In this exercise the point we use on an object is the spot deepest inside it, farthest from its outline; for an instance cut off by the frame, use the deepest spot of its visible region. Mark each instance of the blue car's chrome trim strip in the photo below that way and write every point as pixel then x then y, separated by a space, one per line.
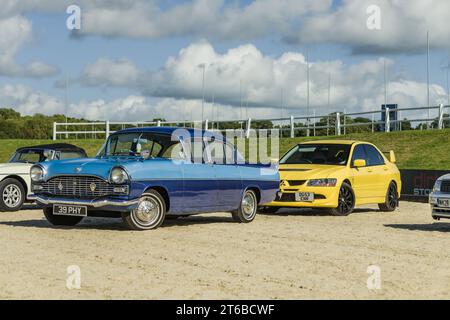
pixel 90 203
pixel 204 179
pixel 73 175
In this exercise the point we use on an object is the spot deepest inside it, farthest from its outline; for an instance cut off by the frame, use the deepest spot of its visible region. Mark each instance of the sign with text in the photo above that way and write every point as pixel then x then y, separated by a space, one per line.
pixel 419 183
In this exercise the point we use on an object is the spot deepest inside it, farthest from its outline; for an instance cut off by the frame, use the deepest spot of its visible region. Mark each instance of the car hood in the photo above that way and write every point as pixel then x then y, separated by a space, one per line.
pixel 307 172
pixel 15 168
pixel 100 167
pixel 445 177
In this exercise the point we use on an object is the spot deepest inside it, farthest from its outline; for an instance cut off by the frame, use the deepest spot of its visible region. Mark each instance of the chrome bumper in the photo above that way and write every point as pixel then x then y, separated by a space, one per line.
pixel 90 203
pixel 439 212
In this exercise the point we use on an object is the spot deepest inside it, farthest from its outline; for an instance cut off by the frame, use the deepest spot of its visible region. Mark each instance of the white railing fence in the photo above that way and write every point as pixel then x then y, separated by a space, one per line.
pixel 336 124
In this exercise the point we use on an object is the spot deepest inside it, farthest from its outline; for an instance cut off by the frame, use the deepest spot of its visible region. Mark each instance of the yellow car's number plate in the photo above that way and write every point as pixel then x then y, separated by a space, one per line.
pixel 304 196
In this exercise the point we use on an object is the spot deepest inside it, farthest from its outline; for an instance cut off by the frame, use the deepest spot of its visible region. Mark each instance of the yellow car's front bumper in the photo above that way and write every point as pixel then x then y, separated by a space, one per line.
pixel 324 197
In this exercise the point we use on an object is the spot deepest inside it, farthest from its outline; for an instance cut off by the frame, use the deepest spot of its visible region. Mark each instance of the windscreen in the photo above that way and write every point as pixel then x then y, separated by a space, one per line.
pixel 324 154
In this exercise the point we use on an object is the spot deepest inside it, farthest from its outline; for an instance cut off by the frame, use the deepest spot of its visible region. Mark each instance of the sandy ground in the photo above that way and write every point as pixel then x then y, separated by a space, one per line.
pixel 293 255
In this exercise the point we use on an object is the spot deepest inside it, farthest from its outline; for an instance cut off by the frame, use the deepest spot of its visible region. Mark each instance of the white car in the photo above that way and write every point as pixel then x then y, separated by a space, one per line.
pixel 15 182
pixel 440 198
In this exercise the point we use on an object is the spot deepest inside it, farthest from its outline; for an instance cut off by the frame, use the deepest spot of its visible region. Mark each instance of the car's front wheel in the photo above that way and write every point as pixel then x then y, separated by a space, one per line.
pixel 346 201
pixel 247 210
pixel 61 220
pixel 391 202
pixel 12 195
pixel 149 214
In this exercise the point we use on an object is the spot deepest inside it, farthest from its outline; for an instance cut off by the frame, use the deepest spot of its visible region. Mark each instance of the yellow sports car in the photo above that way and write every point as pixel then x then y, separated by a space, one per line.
pixel 337 175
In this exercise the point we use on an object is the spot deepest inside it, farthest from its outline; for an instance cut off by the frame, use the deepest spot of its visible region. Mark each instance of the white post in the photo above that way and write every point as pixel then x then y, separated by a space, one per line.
pixel 345 122
pixel 388 121
pixel 338 124
pixel 441 117
pixel 373 124
pixel 292 127
pixel 158 123
pixel 328 125
pixel 249 124
pixel 107 129
pixel 206 124
pixel 314 124
pixel 54 131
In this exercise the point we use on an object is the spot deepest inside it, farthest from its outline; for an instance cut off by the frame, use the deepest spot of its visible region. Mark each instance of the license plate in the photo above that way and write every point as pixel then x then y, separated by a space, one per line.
pixel 444 203
pixel 74 211
pixel 304 196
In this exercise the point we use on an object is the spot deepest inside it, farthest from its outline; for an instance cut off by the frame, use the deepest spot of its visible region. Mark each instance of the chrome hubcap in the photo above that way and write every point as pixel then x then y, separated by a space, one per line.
pixel 148 211
pixel 249 204
pixel 12 196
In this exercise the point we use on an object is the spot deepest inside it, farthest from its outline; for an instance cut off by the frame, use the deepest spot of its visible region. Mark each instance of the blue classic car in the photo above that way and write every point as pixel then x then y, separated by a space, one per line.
pixel 146 175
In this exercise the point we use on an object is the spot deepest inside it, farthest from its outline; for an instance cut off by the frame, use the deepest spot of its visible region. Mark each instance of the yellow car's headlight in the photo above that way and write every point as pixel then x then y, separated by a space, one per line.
pixel 322 183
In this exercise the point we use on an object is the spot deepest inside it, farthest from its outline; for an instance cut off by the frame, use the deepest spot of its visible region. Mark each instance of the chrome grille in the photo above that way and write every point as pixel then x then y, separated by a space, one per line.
pixel 78 186
pixel 445 186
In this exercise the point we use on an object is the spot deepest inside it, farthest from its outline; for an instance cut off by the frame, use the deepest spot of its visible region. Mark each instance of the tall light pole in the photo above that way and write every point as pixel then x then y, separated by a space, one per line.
pixel 213 116
pixel 428 73
pixel 329 91
pixel 66 102
pixel 448 85
pixel 307 91
pixel 240 98
pixel 385 85
pixel 203 92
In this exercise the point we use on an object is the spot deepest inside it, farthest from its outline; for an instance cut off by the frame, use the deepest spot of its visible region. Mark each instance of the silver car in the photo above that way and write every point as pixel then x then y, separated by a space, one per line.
pixel 440 198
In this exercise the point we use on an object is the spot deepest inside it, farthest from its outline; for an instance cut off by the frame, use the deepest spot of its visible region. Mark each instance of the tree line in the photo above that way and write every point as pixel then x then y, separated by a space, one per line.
pixel 13 125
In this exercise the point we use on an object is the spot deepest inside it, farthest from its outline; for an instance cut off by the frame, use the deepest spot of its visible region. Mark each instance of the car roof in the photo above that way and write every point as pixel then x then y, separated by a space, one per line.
pixel 54 146
pixel 171 130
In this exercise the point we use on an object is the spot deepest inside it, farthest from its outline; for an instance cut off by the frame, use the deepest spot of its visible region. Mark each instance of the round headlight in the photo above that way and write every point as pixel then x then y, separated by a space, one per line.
pixel 119 176
pixel 37 173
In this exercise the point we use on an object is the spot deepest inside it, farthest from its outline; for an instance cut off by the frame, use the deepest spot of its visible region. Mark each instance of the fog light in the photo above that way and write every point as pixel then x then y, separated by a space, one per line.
pixel 37 187
pixel 121 189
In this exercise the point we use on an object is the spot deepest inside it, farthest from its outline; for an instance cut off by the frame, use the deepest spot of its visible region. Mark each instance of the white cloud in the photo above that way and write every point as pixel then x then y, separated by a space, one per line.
pixel 27 101
pixel 263 78
pixel 404 24
pixel 15 32
pixel 131 108
pixel 200 18
pixel 121 72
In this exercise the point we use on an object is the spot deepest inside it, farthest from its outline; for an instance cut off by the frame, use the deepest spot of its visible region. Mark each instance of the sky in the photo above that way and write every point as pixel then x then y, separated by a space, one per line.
pixel 135 60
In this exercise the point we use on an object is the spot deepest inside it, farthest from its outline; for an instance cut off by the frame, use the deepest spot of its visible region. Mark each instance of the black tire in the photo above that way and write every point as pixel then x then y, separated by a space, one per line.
pixel 248 208
pixel 172 217
pixel 150 213
pixel 268 210
pixel 391 202
pixel 12 195
pixel 346 201
pixel 60 220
